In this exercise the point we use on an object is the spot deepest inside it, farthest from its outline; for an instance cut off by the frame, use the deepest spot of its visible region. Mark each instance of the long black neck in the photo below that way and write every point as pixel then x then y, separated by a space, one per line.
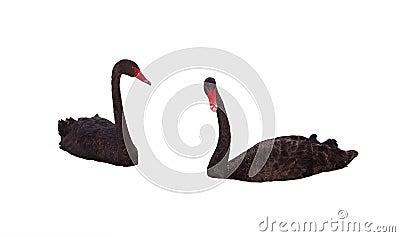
pixel 218 164
pixel 118 110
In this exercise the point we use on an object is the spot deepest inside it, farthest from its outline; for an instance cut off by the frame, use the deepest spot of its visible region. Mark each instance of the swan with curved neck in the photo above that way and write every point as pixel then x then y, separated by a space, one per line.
pixel 97 138
pixel 286 158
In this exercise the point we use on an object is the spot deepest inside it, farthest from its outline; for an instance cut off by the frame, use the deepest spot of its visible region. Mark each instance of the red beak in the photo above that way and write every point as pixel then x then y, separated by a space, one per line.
pixel 212 98
pixel 141 77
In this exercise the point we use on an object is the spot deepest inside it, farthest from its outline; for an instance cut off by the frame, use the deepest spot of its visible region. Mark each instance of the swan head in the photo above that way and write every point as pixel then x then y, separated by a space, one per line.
pixel 210 88
pixel 130 68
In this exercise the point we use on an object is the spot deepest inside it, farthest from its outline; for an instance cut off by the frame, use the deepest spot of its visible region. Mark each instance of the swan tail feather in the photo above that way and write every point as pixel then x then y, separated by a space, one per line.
pixel 65 126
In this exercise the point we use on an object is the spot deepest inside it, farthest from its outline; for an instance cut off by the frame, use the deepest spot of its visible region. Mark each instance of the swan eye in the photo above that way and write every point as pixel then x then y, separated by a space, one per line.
pixel 135 71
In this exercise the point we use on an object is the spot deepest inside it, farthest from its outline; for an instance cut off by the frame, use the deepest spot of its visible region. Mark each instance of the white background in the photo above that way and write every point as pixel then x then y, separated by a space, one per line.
pixel 331 67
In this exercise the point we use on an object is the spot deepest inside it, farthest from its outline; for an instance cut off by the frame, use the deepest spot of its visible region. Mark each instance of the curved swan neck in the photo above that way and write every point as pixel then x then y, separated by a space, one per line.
pixel 118 109
pixel 218 164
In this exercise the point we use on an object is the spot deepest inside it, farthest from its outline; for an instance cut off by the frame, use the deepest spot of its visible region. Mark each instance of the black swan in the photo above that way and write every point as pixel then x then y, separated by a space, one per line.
pixel 97 138
pixel 290 157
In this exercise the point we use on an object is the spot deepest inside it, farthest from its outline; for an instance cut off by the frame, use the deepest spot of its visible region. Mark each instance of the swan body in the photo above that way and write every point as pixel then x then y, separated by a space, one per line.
pixel 93 139
pixel 291 157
